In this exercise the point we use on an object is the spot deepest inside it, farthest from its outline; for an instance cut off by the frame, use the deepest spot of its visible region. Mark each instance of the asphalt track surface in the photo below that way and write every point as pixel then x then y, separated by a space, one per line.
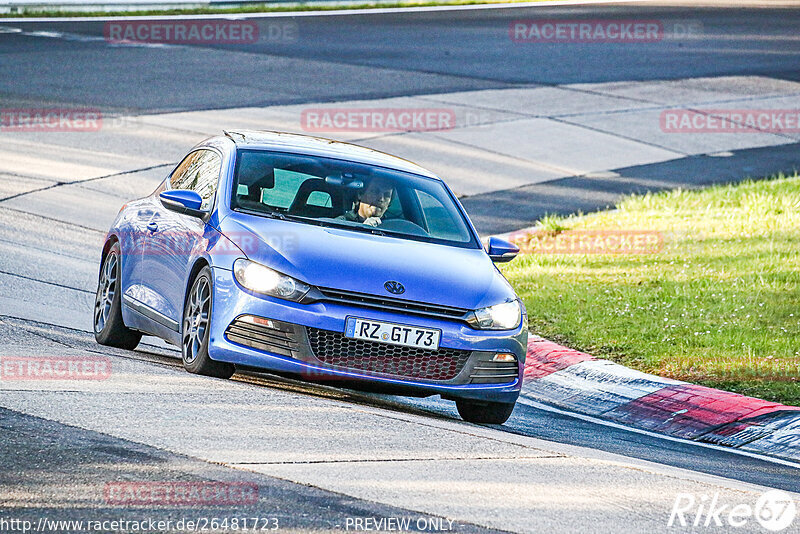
pixel 338 58
pixel 332 58
pixel 373 56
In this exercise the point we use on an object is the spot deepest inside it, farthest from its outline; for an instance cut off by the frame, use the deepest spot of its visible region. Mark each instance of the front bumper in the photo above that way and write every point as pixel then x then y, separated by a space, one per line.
pixel 295 347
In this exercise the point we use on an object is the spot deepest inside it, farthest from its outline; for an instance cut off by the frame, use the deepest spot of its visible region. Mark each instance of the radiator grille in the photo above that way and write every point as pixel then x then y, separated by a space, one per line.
pixel 399 305
pixel 333 348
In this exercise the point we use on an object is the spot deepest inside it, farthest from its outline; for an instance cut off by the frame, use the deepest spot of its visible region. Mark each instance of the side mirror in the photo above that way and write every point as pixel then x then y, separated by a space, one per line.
pixel 183 201
pixel 501 251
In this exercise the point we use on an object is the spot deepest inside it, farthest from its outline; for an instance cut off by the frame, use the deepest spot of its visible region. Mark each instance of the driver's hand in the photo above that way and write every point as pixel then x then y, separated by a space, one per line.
pixel 372 221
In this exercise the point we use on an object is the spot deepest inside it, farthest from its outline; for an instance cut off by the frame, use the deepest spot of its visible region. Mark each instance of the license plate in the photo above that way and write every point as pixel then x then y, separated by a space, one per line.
pixel 392 333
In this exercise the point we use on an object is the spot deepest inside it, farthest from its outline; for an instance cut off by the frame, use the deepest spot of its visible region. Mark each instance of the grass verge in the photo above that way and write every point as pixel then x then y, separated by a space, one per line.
pixel 718 305
pixel 250 9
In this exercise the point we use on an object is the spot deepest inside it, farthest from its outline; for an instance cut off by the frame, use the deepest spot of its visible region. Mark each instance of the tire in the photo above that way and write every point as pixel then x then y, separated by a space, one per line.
pixel 196 329
pixel 109 328
pixel 485 413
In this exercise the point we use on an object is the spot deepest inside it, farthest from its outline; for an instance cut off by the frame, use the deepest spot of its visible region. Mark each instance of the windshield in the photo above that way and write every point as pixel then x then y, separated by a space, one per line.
pixel 349 195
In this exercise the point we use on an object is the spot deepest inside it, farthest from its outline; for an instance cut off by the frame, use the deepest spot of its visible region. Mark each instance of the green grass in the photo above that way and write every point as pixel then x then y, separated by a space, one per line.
pixel 719 305
pixel 249 9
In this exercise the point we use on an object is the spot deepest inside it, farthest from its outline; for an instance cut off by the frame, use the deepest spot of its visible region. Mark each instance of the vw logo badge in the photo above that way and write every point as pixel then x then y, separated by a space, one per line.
pixel 394 287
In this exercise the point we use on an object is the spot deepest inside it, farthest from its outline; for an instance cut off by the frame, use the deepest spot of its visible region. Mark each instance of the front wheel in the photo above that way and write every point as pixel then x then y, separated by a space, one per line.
pixel 109 328
pixel 486 413
pixel 197 330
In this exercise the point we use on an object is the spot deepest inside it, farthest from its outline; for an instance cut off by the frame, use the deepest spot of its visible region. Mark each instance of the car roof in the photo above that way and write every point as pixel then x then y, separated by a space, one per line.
pixel 319 146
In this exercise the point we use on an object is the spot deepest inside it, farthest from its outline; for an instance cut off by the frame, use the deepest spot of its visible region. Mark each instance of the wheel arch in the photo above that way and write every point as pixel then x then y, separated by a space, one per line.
pixel 198 266
pixel 111 239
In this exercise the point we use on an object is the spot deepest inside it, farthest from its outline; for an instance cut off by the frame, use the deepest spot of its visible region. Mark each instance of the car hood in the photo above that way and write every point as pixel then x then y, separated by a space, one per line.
pixel 362 262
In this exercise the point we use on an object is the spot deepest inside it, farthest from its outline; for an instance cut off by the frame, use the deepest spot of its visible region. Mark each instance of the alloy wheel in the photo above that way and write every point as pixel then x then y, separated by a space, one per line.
pixel 195 321
pixel 106 291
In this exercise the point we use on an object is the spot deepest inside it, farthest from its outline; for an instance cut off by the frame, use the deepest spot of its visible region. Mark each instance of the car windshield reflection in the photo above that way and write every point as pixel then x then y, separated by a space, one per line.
pixel 347 195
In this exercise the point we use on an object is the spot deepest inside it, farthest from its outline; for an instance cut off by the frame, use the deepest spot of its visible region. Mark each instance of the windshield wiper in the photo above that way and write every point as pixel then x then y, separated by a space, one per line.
pixel 275 214
pixel 358 228
pixel 271 214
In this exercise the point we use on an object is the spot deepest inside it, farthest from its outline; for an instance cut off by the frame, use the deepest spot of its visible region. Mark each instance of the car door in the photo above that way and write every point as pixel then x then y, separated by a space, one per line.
pixel 172 239
pixel 131 231
pixel 133 244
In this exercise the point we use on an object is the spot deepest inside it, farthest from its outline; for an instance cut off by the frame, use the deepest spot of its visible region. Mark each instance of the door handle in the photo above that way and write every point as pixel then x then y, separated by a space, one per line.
pixel 153 227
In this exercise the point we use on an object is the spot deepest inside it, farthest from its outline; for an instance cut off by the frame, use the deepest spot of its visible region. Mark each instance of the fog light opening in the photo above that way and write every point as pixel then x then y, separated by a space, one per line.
pixel 504 357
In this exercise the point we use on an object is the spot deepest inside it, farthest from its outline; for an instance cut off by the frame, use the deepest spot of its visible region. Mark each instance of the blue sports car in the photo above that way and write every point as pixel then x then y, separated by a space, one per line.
pixel 321 260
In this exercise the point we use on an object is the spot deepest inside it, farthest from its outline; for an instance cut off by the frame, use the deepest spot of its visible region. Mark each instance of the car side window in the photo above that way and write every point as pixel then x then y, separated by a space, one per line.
pixel 395 209
pixel 284 191
pixel 320 199
pixel 199 172
pixel 440 220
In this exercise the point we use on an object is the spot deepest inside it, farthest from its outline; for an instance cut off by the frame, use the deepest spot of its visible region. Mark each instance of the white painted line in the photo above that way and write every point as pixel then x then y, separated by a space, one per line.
pixel 591 419
pixel 335 12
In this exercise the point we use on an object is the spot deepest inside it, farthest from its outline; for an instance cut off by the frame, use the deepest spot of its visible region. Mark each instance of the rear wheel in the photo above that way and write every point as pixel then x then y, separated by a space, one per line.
pixel 109 329
pixel 487 413
pixel 197 330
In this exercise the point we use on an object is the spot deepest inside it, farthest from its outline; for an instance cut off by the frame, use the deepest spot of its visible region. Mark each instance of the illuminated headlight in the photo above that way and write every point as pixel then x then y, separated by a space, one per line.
pixel 262 279
pixel 503 316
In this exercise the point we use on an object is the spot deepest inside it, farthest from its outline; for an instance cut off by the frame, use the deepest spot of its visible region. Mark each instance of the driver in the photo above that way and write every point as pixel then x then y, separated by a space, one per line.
pixel 373 203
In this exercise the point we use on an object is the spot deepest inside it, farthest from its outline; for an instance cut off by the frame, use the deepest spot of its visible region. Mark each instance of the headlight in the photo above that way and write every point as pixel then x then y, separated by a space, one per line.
pixel 262 279
pixel 503 316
